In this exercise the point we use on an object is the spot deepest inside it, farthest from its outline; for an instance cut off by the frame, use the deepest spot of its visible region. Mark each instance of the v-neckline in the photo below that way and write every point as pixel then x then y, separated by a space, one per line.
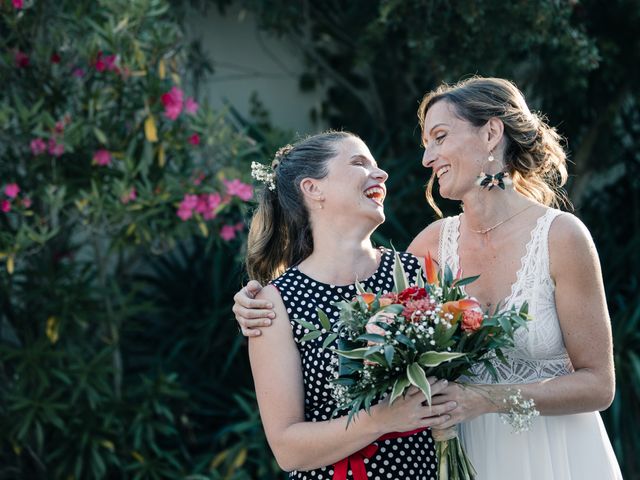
pixel 523 260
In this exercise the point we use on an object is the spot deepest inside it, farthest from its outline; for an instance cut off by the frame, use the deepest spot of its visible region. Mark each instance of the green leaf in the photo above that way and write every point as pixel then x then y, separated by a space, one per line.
pixel 309 326
pixel 399 387
pixel 418 378
pixel 389 353
pixel 329 340
pixel 433 359
pixel 359 288
pixel 399 275
pixel 371 337
pixel 324 320
pixel 419 281
pixel 100 135
pixel 357 353
pixel 311 336
pixel 466 281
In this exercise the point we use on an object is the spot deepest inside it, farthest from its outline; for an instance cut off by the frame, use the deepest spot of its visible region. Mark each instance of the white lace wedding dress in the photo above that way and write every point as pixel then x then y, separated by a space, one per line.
pixel 565 447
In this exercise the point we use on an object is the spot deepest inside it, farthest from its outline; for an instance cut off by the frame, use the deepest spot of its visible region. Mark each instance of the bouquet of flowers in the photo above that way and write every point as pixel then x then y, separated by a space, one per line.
pixel 389 342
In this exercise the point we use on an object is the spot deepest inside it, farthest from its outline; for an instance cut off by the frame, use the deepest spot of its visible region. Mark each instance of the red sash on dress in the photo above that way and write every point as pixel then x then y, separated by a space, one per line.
pixel 356 460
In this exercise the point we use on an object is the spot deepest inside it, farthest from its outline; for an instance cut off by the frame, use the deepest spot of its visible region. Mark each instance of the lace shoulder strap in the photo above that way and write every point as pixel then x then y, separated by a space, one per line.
pixel 448 244
pixel 537 259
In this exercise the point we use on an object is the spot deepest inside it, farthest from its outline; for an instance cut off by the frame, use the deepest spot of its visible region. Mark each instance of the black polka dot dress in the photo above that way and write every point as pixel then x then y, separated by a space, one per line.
pixel 410 457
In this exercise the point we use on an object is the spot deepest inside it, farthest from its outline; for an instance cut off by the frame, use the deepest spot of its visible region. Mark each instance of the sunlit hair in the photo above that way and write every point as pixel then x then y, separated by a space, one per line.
pixel 280 232
pixel 533 154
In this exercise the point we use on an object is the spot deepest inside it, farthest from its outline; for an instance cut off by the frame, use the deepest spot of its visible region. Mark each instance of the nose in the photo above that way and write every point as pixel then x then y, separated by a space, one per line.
pixel 428 158
pixel 380 175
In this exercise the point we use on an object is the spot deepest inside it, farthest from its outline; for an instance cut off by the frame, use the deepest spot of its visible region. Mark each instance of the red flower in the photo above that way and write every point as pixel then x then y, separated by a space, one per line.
pixel 471 320
pixel 414 310
pixel 21 59
pixel 194 139
pixel 5 206
pixel 99 63
pixel 17 4
pixel 412 293
pixel 55 57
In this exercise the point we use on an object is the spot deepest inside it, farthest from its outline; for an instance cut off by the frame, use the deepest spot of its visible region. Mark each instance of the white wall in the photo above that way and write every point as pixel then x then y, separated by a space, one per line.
pixel 247 60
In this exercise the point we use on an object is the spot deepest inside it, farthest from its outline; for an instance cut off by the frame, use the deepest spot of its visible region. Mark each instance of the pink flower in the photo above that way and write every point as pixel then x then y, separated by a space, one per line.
pixel 241 190
pixel 78 73
pixel 194 139
pixel 56 149
pixel 191 106
pixel 172 101
pixel 208 204
pixel 12 190
pixel 17 4
pixel 38 146
pixel 59 128
pixel 185 214
pixel 198 180
pixel 227 232
pixel 129 196
pixel 26 202
pixel 55 57
pixel 239 226
pixel 102 157
pixel 110 63
pixel 21 59
pixel 100 65
pixel 5 206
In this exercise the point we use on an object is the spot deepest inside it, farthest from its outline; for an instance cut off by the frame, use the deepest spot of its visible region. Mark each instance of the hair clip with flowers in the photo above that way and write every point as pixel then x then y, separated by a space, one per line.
pixel 264 174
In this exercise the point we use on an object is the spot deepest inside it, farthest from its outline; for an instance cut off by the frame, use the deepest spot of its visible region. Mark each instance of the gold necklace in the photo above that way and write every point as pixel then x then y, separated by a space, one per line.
pixel 487 230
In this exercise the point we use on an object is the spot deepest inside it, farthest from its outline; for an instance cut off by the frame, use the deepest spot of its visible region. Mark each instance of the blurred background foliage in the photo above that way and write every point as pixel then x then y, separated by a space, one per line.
pixel 122 247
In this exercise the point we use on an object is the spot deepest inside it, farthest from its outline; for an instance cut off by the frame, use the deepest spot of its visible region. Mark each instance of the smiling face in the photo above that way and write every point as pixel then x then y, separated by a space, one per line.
pixel 454 148
pixel 355 186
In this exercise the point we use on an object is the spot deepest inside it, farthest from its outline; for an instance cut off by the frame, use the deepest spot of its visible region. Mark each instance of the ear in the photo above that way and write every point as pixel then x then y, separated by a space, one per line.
pixel 494 132
pixel 310 188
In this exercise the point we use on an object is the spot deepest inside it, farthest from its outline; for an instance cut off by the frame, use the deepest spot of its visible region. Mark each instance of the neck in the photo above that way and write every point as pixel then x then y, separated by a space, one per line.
pixel 483 208
pixel 340 255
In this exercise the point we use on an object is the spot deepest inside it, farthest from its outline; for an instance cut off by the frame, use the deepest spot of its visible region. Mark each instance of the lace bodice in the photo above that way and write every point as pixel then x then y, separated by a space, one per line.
pixel 539 351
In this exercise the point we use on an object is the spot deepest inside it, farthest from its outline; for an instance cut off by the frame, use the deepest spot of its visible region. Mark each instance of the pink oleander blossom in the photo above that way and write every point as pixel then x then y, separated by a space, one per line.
pixel 129 196
pixel 102 157
pixel 172 102
pixel 18 4
pixel 184 214
pixel 38 146
pixel 26 202
pixel 78 72
pixel 191 106
pixel 228 232
pixel 208 204
pixel 5 206
pixel 194 139
pixel 241 190
pixel 12 190
pixel 56 149
pixel 21 59
pixel 199 178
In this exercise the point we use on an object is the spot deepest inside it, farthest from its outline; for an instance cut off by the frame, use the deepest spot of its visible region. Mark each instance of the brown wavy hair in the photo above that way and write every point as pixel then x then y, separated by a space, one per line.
pixel 534 154
pixel 280 232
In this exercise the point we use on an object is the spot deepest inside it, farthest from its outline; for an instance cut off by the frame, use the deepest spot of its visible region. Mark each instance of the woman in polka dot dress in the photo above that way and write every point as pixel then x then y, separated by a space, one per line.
pixel 326 199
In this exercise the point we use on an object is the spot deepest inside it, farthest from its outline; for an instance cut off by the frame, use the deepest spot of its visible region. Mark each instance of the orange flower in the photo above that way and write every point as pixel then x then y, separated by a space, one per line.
pixel 457 307
pixel 430 270
pixel 368 298
pixel 471 320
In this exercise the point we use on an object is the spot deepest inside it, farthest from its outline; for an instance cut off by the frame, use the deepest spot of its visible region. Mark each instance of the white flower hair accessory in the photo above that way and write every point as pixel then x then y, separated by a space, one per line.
pixel 264 174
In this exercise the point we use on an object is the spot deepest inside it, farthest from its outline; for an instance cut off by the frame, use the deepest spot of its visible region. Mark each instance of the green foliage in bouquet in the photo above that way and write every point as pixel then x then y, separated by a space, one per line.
pixel 391 341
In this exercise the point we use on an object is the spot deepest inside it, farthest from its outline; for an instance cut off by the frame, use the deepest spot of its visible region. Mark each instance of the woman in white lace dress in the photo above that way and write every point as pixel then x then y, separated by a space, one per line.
pixel 486 149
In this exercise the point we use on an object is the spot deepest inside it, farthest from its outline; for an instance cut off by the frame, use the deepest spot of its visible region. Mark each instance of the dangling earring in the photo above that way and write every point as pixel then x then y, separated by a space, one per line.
pixel 488 181
pixel 491 158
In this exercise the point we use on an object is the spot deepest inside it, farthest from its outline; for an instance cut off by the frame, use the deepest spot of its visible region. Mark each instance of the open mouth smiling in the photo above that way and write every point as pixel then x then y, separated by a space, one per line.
pixel 376 193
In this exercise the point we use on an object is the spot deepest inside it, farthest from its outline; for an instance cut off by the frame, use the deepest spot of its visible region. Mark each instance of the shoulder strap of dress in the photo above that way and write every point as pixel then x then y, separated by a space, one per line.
pixel 539 255
pixel 448 243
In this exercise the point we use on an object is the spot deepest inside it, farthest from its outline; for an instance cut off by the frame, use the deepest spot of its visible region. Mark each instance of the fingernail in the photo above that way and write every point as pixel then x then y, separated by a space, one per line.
pixel 267 323
pixel 271 315
pixel 453 404
pixel 447 417
pixel 269 305
pixel 444 382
